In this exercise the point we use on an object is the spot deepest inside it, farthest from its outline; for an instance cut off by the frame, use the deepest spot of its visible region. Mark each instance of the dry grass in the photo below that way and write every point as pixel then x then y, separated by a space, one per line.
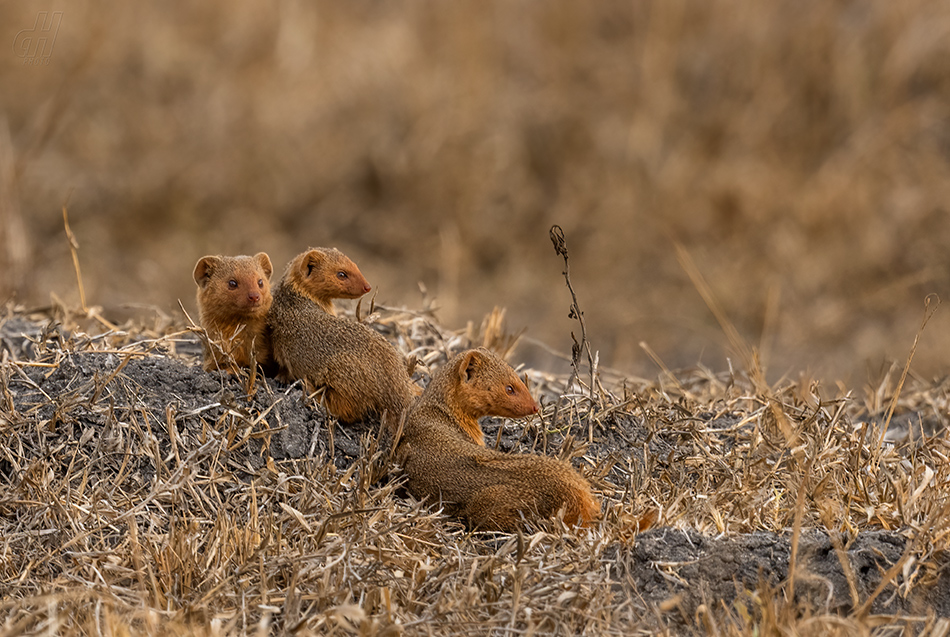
pixel 130 506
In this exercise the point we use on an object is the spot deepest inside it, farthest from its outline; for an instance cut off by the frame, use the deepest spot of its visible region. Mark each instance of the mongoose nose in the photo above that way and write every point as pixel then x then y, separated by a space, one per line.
pixel 253 297
pixel 367 287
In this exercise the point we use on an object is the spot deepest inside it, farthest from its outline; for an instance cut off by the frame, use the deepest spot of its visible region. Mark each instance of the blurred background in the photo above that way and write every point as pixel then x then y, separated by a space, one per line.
pixel 798 150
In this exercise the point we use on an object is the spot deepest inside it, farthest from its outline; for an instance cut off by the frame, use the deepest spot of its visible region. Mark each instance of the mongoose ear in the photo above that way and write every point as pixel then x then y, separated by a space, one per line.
pixel 264 261
pixel 310 260
pixel 471 363
pixel 204 269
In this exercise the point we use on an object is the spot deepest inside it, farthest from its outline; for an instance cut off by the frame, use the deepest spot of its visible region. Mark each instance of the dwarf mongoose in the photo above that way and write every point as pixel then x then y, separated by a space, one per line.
pixel 233 300
pixel 324 274
pixel 445 460
pixel 360 372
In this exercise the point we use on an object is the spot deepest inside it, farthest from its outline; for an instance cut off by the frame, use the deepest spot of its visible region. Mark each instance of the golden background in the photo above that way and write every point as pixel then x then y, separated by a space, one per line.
pixel 798 150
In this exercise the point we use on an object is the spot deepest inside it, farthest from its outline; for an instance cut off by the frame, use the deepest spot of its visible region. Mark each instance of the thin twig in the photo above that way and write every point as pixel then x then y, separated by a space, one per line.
pixel 928 313
pixel 560 247
pixel 74 249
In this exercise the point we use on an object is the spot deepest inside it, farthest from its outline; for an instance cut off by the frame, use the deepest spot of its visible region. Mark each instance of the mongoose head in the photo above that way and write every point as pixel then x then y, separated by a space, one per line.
pixel 326 273
pixel 234 286
pixel 490 387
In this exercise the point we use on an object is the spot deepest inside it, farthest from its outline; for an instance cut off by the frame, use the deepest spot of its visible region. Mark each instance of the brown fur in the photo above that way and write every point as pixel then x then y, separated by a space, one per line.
pixel 477 386
pixel 361 373
pixel 233 300
pixel 324 274
pixel 446 463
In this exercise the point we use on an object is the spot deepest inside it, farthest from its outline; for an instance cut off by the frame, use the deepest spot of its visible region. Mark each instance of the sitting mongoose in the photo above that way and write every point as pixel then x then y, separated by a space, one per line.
pixel 234 298
pixel 360 372
pixel 324 274
pixel 446 461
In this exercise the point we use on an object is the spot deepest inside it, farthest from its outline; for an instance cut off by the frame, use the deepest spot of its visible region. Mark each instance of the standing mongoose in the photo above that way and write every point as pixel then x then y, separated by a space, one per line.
pixel 233 300
pixel 361 373
pixel 445 461
pixel 324 274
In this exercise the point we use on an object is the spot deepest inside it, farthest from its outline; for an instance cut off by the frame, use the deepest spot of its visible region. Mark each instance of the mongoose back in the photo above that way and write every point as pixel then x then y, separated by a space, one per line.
pixel 324 274
pixel 234 298
pixel 491 490
pixel 361 373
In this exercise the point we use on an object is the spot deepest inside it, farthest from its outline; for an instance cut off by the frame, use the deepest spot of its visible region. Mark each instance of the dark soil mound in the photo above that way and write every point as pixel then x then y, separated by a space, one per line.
pixel 130 476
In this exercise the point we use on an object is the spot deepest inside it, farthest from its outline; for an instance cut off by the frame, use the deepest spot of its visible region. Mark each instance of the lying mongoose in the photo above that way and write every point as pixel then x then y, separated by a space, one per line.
pixel 472 392
pixel 324 274
pixel 445 460
pixel 233 300
pixel 360 372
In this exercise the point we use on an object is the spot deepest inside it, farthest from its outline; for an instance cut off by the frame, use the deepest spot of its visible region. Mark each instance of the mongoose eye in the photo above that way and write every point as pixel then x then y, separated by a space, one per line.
pixel 341 275
pixel 232 284
pixel 510 390
pixel 260 283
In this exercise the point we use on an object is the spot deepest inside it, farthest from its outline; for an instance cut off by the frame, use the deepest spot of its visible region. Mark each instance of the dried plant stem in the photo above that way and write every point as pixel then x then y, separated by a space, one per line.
pixel 560 247
pixel 74 250
pixel 748 354
pixel 928 313
pixel 728 327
